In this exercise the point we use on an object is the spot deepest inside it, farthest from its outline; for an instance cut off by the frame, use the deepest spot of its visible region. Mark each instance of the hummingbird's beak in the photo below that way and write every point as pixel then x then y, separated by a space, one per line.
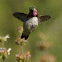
pixel 35 12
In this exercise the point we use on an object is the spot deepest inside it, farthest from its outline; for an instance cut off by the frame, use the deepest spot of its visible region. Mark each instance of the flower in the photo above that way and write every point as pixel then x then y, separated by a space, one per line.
pixel 47 58
pixel 4 52
pixel 20 41
pixel 23 56
pixel 8 51
pixel 27 55
pixel 4 38
pixel 7 36
pixel 20 29
pixel 20 57
pixel 44 45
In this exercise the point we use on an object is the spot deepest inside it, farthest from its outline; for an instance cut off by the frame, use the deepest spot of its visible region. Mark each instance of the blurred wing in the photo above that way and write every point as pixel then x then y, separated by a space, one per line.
pixel 20 16
pixel 43 18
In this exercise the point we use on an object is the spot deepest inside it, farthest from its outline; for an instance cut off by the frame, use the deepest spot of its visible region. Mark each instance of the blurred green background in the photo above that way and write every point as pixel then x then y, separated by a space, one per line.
pixel 51 28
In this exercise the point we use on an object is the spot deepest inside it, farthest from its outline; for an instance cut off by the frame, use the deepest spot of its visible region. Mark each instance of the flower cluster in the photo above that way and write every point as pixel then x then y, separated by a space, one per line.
pixel 48 58
pixel 23 56
pixel 20 41
pixel 20 29
pixel 27 55
pixel 20 57
pixel 4 38
pixel 4 52
pixel 44 45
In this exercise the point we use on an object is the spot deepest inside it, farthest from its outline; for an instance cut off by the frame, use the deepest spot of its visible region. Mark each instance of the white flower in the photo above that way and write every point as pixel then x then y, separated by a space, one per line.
pixel 4 38
pixel 7 36
pixel 9 51
pixel 27 55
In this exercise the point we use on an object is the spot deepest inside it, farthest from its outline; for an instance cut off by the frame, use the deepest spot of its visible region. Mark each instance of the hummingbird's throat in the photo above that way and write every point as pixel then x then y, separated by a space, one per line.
pixel 35 13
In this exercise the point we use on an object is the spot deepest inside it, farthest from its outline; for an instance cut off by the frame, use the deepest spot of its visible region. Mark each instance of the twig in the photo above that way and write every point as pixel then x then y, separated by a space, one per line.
pixel 3 59
pixel 3 44
pixel 23 60
pixel 22 51
pixel 26 60
pixel 21 48
pixel 18 60
pixel 2 47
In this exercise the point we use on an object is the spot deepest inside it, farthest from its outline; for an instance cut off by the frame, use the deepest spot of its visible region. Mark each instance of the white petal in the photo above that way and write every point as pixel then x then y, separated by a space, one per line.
pixel 9 50
pixel 8 53
pixel 29 55
pixel 7 36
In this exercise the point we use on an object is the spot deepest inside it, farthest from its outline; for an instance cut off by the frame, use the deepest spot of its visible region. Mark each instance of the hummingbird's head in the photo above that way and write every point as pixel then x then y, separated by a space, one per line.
pixel 33 11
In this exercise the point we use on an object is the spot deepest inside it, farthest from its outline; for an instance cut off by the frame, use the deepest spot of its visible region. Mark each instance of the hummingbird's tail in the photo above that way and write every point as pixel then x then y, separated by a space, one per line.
pixel 24 36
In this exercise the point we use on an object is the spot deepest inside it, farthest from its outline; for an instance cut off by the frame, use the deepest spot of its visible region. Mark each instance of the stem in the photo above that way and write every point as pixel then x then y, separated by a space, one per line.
pixel 22 60
pixel 3 59
pixel 3 44
pixel 18 60
pixel 22 49
pixel 26 60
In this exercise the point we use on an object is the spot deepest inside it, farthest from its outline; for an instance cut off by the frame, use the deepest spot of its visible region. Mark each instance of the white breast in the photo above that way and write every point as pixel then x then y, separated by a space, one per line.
pixel 31 24
pixel 33 21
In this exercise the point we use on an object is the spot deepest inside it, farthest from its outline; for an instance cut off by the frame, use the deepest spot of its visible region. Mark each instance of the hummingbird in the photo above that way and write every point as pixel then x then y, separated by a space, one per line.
pixel 30 21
